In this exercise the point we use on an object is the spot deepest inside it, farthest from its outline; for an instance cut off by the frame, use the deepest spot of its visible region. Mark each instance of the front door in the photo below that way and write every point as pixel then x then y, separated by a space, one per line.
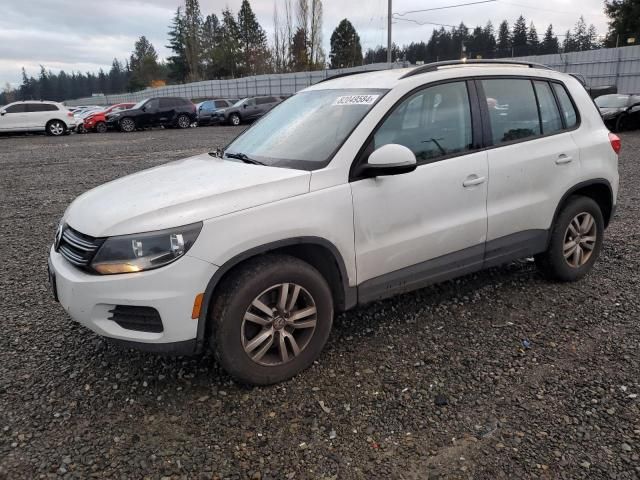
pixel 15 117
pixel 429 224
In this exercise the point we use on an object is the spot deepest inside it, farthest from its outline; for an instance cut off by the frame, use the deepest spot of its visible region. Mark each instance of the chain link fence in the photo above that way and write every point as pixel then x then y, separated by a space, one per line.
pixel 612 66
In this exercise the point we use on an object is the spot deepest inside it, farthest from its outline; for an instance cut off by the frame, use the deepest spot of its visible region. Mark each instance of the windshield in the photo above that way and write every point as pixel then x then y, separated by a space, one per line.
pixel 304 131
pixel 612 101
pixel 240 102
pixel 139 104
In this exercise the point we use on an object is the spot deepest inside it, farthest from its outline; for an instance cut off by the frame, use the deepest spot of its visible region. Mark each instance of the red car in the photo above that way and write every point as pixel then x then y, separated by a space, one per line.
pixel 96 122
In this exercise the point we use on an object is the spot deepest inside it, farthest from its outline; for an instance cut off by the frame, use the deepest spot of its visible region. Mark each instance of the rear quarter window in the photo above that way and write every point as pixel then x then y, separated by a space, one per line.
pixel 566 106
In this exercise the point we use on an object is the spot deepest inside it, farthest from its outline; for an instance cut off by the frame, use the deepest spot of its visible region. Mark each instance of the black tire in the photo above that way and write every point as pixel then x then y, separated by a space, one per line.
pixel 127 125
pixel 183 121
pixel 56 128
pixel 621 123
pixel 101 127
pixel 553 263
pixel 236 294
pixel 234 119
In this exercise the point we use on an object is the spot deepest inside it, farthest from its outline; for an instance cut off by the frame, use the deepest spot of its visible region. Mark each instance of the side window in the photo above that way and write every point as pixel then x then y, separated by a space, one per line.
pixel 571 119
pixel 513 112
pixel 549 114
pixel 262 100
pixel 41 107
pixel 17 108
pixel 152 104
pixel 166 102
pixel 432 123
pixel 220 104
pixel 251 102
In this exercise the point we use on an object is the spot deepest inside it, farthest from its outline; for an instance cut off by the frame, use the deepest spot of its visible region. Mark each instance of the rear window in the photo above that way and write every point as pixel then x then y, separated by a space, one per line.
pixel 167 102
pixel 549 114
pixel 566 105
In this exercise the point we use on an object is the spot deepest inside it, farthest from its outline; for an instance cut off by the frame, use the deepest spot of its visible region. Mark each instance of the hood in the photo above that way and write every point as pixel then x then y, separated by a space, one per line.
pixel 179 193
pixel 610 111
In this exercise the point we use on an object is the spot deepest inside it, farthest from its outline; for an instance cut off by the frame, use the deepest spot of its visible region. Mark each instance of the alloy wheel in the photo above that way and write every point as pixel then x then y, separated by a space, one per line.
pixel 183 121
pixel 127 125
pixel 580 240
pixel 278 324
pixel 235 120
pixel 56 128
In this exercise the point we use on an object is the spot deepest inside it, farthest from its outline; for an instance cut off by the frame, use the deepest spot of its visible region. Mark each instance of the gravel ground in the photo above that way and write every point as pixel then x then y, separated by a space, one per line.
pixel 496 375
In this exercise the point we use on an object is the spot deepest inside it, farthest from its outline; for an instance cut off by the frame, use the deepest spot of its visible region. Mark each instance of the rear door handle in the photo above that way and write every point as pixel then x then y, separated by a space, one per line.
pixel 473 180
pixel 562 159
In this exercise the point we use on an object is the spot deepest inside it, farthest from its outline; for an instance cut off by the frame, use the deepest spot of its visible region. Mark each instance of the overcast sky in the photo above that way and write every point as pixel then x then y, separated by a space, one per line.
pixel 84 35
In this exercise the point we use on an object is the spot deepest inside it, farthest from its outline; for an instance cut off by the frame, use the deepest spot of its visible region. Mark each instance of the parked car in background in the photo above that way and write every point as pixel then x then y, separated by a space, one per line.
pixel 37 116
pixel 246 110
pixel 353 190
pixel 619 112
pixel 155 112
pixel 82 114
pixel 208 108
pixel 97 121
pixel 595 90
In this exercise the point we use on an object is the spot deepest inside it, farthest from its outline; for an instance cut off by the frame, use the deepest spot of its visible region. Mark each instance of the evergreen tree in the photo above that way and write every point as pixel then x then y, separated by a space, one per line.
pixel 624 21
pixel 229 47
pixel 253 41
pixel 569 44
pixel 299 52
pixel 178 63
pixel 144 65
pixel 211 40
pixel 192 23
pixel 550 42
pixel 346 50
pixel 519 37
pixel 533 43
pixel 504 40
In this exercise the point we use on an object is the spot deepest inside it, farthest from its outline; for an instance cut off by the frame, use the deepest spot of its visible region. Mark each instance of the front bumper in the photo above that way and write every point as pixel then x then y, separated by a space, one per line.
pixel 171 290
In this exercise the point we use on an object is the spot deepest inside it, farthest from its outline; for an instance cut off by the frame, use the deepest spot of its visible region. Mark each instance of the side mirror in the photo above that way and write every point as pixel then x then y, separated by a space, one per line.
pixel 390 159
pixel 3 113
pixel 245 105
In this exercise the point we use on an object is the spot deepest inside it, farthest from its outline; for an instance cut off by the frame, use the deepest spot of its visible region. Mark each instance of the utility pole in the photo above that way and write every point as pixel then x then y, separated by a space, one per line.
pixel 389 15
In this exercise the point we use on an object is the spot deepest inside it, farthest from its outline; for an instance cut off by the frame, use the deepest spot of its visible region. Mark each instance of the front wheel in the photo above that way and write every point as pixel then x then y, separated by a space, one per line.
pixel 184 121
pixel 576 240
pixel 101 127
pixel 56 128
pixel 621 123
pixel 127 125
pixel 271 319
pixel 234 119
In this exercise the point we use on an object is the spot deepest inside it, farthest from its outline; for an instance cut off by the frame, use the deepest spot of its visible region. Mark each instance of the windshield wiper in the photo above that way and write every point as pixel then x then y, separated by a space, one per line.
pixel 243 157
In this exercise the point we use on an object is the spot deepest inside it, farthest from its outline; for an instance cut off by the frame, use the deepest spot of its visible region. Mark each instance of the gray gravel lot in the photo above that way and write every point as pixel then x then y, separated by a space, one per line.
pixel 432 384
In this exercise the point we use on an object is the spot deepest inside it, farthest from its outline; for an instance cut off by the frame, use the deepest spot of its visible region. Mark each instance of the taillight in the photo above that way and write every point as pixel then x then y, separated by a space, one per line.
pixel 616 144
pixel 69 114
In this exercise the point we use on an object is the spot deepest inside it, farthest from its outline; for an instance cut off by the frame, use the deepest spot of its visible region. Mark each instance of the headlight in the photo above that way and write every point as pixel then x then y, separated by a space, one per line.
pixel 144 251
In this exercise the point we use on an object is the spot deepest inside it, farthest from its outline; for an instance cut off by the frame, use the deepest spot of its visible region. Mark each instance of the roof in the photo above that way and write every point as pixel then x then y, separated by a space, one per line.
pixel 388 79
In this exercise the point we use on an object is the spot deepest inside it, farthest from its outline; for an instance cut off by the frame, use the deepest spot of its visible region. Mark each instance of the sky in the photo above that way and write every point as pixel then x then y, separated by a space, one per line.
pixel 85 35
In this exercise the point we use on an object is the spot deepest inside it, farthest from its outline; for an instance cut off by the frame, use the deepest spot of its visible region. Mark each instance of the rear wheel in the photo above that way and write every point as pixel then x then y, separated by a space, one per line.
pixel 271 319
pixel 576 240
pixel 184 121
pixel 56 128
pixel 101 127
pixel 621 123
pixel 234 119
pixel 127 125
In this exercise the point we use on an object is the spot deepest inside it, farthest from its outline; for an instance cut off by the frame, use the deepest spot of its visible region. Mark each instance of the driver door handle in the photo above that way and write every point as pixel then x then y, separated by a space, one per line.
pixel 473 180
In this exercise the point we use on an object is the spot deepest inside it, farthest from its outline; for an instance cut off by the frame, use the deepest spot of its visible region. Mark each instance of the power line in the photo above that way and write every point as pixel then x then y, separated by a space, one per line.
pixel 424 23
pixel 443 7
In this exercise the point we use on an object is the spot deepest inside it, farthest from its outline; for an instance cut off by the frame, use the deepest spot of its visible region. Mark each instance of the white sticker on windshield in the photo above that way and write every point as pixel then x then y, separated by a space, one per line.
pixel 356 100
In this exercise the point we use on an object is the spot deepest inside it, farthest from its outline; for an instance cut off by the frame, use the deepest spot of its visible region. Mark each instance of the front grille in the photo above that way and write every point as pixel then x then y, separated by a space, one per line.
pixel 140 319
pixel 78 248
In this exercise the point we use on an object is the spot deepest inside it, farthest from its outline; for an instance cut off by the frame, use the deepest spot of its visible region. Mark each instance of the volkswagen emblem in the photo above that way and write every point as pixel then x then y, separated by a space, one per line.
pixel 58 238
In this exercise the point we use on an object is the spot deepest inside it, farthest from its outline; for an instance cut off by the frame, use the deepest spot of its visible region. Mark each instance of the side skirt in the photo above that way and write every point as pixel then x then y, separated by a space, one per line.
pixel 452 265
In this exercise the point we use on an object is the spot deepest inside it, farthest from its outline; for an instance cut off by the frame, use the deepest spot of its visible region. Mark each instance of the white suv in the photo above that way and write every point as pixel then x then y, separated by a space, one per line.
pixel 353 190
pixel 37 116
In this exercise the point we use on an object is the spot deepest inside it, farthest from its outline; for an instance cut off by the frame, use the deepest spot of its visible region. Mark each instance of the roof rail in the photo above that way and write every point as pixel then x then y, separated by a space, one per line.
pixel 347 74
pixel 432 67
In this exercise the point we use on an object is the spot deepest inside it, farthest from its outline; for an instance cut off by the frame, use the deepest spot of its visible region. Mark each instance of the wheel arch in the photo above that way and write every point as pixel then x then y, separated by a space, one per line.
pixel 598 189
pixel 318 252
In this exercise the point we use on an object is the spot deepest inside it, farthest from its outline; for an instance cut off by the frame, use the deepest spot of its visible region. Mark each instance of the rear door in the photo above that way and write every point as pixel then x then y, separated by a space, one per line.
pixel 533 160
pixel 15 117
pixel 251 109
pixel 167 111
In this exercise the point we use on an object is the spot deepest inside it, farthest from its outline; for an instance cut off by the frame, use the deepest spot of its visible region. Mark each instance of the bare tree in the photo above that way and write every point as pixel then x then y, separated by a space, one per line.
pixel 316 53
